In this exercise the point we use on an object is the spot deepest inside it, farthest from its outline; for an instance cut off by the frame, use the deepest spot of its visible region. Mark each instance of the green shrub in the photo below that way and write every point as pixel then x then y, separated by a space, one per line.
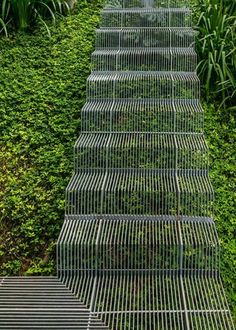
pixel 42 89
pixel 221 137
pixel 216 46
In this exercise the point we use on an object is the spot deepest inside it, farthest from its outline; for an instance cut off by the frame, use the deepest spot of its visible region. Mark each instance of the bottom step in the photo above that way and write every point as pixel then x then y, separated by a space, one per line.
pixel 118 301
pixel 134 300
pixel 42 303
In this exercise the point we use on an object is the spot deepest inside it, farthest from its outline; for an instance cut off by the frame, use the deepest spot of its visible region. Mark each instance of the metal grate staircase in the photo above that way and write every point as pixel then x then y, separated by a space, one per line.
pixel 138 248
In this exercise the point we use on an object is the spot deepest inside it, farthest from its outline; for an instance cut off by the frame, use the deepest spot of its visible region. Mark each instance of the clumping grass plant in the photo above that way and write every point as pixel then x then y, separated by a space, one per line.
pixel 216 45
pixel 23 14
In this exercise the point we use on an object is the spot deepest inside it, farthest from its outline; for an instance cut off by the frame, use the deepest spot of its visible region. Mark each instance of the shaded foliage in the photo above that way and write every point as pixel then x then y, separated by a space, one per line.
pixel 23 14
pixel 216 46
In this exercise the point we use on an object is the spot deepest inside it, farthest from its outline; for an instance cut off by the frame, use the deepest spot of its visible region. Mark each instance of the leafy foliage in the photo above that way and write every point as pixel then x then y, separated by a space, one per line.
pixel 23 14
pixel 221 137
pixel 216 45
pixel 42 88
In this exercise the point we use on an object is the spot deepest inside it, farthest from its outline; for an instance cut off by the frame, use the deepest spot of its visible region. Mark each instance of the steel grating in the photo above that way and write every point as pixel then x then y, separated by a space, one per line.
pixel 129 38
pixel 163 245
pixel 158 302
pixel 143 85
pixel 153 192
pixel 42 303
pixel 136 150
pixel 138 249
pixel 182 116
pixel 162 59
pixel 145 272
pixel 118 4
pixel 146 17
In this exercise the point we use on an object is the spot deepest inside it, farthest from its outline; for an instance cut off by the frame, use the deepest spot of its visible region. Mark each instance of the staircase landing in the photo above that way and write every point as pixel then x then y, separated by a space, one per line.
pixel 42 303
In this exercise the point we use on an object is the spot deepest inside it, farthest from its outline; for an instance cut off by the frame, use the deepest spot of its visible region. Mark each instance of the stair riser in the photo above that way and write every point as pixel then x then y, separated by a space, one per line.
pixel 144 38
pixel 145 19
pixel 139 193
pixel 145 3
pixel 140 151
pixel 141 117
pixel 144 61
pixel 144 86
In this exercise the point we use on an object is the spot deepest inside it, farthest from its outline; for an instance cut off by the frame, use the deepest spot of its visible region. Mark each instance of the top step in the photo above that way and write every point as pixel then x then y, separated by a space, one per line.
pixel 145 4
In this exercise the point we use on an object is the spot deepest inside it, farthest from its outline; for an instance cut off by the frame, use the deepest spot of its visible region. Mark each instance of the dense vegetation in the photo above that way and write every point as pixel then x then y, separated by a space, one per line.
pixel 23 15
pixel 42 89
pixel 221 137
pixel 216 45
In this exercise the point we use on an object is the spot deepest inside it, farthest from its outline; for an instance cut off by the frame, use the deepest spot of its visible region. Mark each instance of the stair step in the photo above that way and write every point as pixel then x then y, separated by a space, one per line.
pixel 140 150
pixel 159 10
pixel 22 306
pixel 113 4
pixel 143 59
pixel 141 243
pixel 146 17
pixel 129 38
pixel 142 116
pixel 152 192
pixel 159 301
pixel 143 85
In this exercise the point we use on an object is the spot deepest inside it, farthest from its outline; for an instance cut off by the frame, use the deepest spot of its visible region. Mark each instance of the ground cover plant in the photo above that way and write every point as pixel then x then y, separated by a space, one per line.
pixel 42 90
pixel 221 137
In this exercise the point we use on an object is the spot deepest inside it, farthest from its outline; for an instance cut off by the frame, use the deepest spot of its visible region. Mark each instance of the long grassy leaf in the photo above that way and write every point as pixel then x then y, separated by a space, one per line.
pixel 4 27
